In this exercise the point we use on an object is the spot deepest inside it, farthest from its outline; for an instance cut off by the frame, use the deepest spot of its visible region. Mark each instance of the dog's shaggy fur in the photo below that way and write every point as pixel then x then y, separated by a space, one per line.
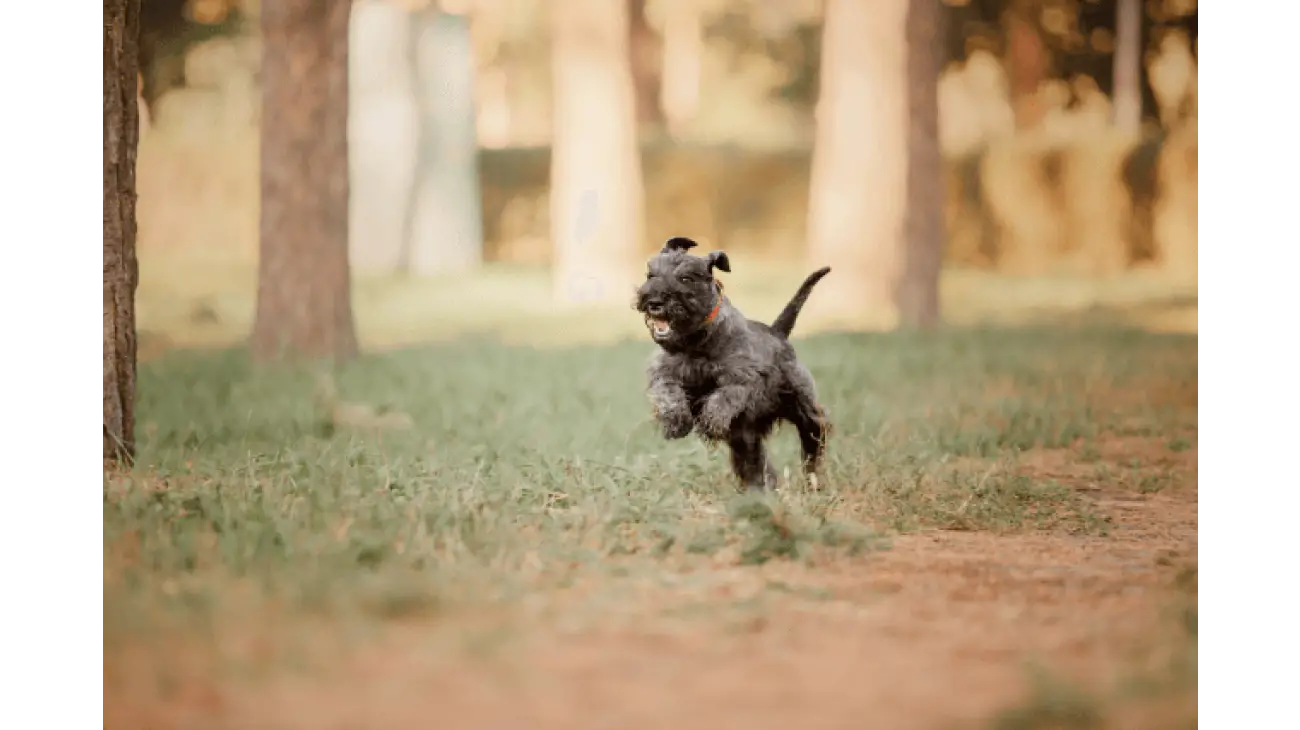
pixel 726 377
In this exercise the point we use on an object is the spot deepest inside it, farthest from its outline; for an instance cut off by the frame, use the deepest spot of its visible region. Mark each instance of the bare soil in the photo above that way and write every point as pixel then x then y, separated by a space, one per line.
pixel 938 631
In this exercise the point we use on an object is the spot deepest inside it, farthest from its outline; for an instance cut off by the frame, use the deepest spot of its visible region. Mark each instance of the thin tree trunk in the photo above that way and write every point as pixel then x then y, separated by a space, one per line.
pixel 876 206
pixel 924 231
pixel 444 220
pixel 303 299
pixel 121 140
pixel 1127 74
pixel 1026 62
pixel 596 186
pixel 644 47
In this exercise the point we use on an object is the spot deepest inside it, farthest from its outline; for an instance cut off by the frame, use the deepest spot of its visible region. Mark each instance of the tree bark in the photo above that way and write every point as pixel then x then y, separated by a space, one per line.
pixel 1127 74
pixel 304 303
pixel 645 50
pixel 121 140
pixel 596 187
pixel 875 207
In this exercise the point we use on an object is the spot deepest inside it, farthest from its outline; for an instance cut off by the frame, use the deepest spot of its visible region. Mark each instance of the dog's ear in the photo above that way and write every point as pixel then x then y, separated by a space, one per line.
pixel 719 260
pixel 679 243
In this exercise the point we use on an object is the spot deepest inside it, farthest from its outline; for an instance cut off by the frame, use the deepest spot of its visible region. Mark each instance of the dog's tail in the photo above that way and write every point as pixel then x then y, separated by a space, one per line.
pixel 785 321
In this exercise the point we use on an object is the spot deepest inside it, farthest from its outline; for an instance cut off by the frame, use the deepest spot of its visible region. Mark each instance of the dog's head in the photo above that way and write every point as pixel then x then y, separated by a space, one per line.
pixel 680 295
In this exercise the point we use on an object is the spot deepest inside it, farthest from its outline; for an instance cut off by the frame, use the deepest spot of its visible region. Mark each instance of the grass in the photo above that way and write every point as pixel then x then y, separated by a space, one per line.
pixel 1051 704
pixel 510 468
pixel 467 495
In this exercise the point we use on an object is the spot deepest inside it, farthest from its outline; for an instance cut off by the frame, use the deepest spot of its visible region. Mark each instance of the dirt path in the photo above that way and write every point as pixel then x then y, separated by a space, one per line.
pixel 935 632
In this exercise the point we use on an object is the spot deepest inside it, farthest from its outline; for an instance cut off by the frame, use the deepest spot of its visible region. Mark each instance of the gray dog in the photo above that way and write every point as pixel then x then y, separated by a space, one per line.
pixel 727 377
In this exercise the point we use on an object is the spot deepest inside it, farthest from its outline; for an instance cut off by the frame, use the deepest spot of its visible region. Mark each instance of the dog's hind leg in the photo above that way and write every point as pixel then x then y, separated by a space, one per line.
pixel 809 419
pixel 750 462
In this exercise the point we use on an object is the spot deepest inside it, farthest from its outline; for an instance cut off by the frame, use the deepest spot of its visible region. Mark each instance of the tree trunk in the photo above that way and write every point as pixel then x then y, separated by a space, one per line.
pixel 121 140
pixel 304 303
pixel 1026 63
pixel 923 229
pixel 596 186
pixel 683 51
pixel 99 231
pixel 644 47
pixel 875 207
pixel 383 129
pixel 1127 74
pixel 444 218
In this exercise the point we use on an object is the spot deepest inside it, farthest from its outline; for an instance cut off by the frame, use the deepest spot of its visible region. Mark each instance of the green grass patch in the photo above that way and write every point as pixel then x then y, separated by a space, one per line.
pixel 404 482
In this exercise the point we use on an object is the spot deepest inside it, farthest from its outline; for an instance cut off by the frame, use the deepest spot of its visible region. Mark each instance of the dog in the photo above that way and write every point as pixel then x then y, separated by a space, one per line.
pixel 728 378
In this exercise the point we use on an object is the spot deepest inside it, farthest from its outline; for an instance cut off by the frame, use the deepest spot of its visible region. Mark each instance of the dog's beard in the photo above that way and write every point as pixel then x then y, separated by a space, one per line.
pixel 674 322
pixel 672 331
pixel 679 318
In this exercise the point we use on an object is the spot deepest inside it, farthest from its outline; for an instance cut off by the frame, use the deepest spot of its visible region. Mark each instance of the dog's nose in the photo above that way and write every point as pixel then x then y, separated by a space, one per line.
pixel 654 307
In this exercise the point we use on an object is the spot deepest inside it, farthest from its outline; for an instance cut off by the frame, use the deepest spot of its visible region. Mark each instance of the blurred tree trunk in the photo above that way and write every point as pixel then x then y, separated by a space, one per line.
pixel 596 186
pixel 443 230
pixel 683 51
pixel 1026 63
pixel 924 231
pixel 645 50
pixel 121 140
pixel 304 303
pixel 1127 74
pixel 383 129
pixel 875 208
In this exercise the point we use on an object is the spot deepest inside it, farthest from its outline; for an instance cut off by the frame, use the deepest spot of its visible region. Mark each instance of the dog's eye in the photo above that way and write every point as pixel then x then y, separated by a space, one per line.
pixel 686 278
pixel 649 274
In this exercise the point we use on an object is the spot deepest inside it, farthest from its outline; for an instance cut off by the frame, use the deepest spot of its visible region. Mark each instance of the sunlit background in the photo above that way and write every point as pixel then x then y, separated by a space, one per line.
pixel 1062 199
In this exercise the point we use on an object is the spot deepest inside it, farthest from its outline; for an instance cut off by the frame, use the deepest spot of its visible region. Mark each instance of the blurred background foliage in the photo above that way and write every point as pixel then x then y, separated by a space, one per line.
pixel 1042 178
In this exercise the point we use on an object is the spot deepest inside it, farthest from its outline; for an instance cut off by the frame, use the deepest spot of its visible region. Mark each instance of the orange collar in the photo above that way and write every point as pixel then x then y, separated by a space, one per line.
pixel 716 305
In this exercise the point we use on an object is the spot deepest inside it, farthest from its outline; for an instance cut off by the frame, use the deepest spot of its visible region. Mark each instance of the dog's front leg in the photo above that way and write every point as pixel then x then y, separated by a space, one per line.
pixel 721 408
pixel 670 406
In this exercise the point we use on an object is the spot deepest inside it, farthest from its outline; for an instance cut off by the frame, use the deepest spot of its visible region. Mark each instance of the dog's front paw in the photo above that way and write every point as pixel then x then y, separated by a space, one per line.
pixel 713 423
pixel 676 423
pixel 671 410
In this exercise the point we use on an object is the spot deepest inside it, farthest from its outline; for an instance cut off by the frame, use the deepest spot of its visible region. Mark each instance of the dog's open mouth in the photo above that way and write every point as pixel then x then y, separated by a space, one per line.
pixel 658 327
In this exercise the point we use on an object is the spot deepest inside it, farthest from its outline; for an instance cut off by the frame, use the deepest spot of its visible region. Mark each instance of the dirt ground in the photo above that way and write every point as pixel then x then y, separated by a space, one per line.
pixel 938 631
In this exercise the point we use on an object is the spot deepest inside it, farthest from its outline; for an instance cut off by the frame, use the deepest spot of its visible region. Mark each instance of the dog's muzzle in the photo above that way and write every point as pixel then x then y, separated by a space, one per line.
pixel 656 320
pixel 659 328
